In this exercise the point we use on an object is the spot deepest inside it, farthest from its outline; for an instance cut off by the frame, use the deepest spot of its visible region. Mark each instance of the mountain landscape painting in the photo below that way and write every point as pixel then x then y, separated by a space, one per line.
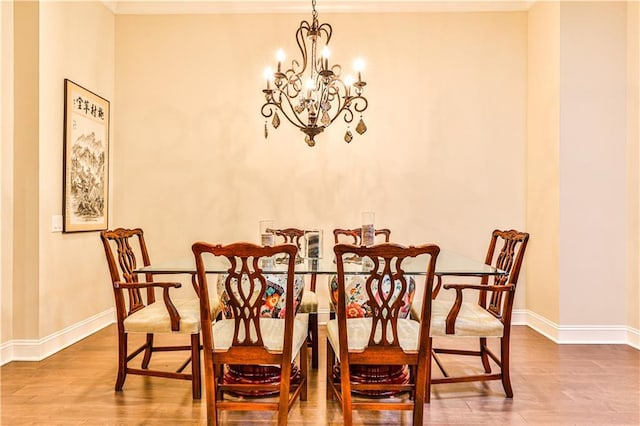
pixel 86 160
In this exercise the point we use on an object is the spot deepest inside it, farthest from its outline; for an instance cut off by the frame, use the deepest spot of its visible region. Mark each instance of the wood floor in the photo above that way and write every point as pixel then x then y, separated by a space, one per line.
pixel 553 385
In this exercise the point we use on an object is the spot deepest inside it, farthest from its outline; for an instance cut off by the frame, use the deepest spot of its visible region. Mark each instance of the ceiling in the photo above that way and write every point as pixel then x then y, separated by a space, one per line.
pixel 130 7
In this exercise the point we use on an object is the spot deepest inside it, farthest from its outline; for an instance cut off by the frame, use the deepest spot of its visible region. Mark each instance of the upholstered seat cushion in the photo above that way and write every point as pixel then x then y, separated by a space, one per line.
pixel 359 329
pixel 472 320
pixel 271 329
pixel 154 318
pixel 309 302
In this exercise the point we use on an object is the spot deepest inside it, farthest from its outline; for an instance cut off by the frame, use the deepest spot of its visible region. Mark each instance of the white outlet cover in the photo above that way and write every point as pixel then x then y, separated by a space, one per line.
pixel 56 223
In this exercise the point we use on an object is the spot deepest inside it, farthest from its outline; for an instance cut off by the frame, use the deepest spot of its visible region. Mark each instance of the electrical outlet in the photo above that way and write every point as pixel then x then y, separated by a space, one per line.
pixel 56 223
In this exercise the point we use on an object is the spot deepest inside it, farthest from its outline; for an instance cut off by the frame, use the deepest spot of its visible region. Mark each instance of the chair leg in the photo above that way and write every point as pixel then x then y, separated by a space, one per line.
pixel 218 377
pixel 427 379
pixel 329 373
pixel 504 367
pixel 345 392
pixel 484 356
pixel 196 386
pixel 211 389
pixel 313 333
pixel 147 351
pixel 304 367
pixel 420 391
pixel 122 361
pixel 283 404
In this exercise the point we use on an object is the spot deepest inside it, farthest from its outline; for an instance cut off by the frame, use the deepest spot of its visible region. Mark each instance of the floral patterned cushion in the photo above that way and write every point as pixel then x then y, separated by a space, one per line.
pixel 358 300
pixel 274 298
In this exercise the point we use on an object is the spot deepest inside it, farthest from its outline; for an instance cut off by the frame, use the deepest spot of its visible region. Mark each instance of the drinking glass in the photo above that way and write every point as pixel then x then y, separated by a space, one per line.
pixel 313 244
pixel 368 228
pixel 267 238
pixel 267 235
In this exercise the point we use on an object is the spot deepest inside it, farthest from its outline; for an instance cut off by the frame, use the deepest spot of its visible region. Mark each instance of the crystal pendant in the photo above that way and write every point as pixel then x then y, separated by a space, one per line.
pixel 361 127
pixel 348 137
pixel 325 106
pixel 266 132
pixel 299 108
pixel 326 120
pixel 276 121
pixel 309 140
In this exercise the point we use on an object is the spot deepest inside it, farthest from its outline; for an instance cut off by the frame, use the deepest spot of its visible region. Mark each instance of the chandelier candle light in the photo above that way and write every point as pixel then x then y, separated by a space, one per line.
pixel 311 95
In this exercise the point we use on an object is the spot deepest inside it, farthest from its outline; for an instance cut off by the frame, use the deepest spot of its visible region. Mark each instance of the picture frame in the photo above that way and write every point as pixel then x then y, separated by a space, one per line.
pixel 86 160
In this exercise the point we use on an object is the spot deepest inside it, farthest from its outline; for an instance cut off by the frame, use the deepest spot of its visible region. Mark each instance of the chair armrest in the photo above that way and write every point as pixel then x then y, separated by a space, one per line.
pixel 174 316
pixel 455 309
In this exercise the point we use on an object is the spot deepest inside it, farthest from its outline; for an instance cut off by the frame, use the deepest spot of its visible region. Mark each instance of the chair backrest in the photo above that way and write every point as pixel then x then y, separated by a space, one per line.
pixel 506 252
pixel 289 235
pixel 245 284
pixel 386 285
pixel 354 236
pixel 121 250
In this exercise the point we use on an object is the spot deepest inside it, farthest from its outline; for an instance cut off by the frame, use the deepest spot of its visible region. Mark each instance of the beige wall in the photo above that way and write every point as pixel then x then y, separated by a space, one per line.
pixel 582 167
pixel 26 283
pixel 543 162
pixel 76 42
pixel 592 163
pixel 633 162
pixel 59 280
pixel 442 160
pixel 6 170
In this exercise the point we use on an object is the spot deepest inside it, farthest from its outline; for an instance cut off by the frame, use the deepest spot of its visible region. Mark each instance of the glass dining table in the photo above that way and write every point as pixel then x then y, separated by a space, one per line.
pixel 448 263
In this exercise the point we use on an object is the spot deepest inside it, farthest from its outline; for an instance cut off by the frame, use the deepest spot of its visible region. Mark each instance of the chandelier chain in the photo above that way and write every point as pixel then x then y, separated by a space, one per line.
pixel 314 13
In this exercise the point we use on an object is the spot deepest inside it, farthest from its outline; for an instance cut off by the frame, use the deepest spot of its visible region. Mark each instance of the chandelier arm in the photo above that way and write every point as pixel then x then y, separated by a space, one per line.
pixel 346 111
pixel 293 86
pixel 301 123
pixel 279 107
pixel 360 100
pixel 269 112
pixel 327 30
pixel 302 44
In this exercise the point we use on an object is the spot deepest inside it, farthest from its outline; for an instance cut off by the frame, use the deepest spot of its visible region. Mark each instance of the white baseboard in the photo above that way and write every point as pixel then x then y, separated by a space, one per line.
pixel 592 335
pixel 633 338
pixel 582 334
pixel 39 349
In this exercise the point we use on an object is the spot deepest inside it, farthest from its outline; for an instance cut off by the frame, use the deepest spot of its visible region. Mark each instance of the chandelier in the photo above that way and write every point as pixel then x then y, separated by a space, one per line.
pixel 311 94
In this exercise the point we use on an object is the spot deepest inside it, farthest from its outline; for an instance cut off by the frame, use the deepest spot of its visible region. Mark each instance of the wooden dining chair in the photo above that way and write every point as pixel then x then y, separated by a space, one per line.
pixel 245 336
pixel 136 313
pixel 309 302
pixel 488 315
pixel 384 337
pixel 354 236
pixel 351 236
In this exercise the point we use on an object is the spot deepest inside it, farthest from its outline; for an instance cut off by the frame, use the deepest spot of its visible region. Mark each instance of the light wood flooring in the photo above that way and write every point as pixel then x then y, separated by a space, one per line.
pixel 553 385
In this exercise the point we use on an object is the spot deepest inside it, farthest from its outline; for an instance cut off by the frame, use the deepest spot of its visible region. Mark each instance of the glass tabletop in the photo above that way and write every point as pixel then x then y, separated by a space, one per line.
pixel 448 263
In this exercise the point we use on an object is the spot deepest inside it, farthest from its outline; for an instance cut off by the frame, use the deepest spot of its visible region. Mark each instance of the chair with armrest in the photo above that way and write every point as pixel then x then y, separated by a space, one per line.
pixel 245 336
pixel 309 302
pixel 489 316
pixel 384 337
pixel 138 314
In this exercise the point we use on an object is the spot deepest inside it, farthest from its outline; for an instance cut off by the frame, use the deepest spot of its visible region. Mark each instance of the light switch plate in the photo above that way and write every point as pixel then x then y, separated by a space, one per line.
pixel 56 223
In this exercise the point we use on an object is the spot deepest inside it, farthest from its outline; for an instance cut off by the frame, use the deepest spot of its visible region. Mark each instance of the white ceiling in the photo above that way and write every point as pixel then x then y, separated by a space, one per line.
pixel 130 7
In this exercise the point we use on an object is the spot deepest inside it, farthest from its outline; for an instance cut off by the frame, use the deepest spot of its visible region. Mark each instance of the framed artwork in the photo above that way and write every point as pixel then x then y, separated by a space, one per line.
pixel 86 159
